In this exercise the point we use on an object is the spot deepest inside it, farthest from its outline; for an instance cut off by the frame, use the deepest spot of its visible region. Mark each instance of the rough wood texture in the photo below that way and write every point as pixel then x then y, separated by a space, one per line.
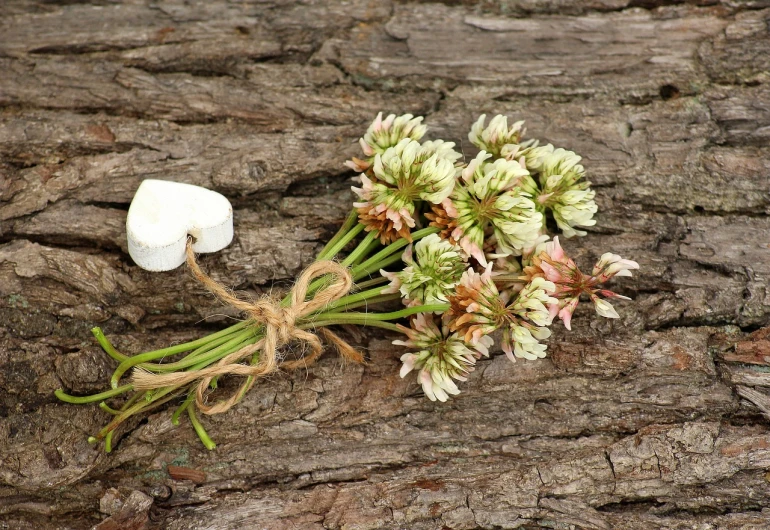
pixel 635 423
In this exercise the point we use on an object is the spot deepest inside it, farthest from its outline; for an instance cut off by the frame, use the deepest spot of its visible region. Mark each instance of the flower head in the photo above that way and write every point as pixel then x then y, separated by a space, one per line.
pixel 477 309
pixel 550 262
pixel 441 356
pixel 402 175
pixel 496 135
pixel 383 134
pixel 431 275
pixel 493 199
pixel 563 190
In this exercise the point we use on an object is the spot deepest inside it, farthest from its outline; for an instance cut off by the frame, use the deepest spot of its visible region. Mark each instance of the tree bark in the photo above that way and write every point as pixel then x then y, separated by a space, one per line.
pixel 656 420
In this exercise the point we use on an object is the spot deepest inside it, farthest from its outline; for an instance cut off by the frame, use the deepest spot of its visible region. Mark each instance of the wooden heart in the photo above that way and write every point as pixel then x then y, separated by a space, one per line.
pixel 163 213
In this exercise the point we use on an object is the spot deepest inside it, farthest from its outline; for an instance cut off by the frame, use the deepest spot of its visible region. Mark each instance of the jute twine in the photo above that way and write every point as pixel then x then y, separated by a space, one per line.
pixel 280 328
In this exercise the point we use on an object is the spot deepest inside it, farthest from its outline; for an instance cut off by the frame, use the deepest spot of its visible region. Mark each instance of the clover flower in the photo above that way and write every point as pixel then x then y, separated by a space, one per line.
pixel 477 309
pixel 494 200
pixel 562 189
pixel 432 276
pixel 496 136
pixel 550 262
pixel 442 357
pixel 383 134
pixel 402 175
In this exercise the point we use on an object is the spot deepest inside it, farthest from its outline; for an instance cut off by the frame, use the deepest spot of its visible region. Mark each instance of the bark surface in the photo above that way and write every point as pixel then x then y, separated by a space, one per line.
pixel 656 420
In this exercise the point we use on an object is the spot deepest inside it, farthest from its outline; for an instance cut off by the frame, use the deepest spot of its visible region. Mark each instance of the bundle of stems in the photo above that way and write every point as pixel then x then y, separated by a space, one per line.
pixel 364 262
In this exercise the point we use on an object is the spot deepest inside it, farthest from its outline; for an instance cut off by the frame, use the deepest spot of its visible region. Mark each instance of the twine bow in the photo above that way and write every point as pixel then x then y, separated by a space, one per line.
pixel 280 328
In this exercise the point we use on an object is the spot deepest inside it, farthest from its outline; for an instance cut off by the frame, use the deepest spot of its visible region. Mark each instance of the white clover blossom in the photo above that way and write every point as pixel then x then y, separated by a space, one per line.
pixel 496 135
pixel 383 134
pixel 431 275
pixel 441 357
pixel 491 200
pixel 563 190
pixel 610 265
pixel 477 309
pixel 386 133
pixel 404 174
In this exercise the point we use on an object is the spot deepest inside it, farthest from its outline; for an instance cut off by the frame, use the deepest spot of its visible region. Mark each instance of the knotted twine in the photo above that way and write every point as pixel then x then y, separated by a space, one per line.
pixel 280 328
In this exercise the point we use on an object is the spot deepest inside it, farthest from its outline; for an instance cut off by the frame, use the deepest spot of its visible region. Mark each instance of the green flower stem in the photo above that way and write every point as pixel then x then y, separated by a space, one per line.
pixel 129 404
pixel 212 357
pixel 341 321
pixel 365 318
pixel 200 431
pixel 360 250
pixel 202 345
pixel 145 407
pixel 350 222
pixel 158 398
pixel 133 399
pixel 352 299
pixel 395 247
pixel 323 281
pixel 380 260
pixel 108 442
pixel 375 267
pixel 213 344
pixel 195 363
pixel 107 345
pixel 79 400
pixel 211 360
pixel 173 350
pixel 372 246
pixel 369 283
pixel 509 278
pixel 219 353
pixel 249 379
pixel 181 408
pixel 106 408
pixel 370 301
pixel 343 241
pixel 200 353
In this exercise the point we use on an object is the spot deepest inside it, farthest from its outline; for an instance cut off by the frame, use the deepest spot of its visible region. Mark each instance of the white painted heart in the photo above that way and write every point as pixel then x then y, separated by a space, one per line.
pixel 163 213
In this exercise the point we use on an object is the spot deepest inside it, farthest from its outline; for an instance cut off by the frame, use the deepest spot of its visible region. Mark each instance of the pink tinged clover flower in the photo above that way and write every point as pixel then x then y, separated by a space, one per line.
pixel 429 277
pixel 550 262
pixel 563 190
pixel 383 134
pixel 440 358
pixel 477 309
pixel 493 199
pixel 404 174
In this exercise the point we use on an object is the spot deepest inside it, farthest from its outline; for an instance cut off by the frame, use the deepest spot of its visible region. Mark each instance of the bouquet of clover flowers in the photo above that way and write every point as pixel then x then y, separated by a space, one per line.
pixel 463 246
